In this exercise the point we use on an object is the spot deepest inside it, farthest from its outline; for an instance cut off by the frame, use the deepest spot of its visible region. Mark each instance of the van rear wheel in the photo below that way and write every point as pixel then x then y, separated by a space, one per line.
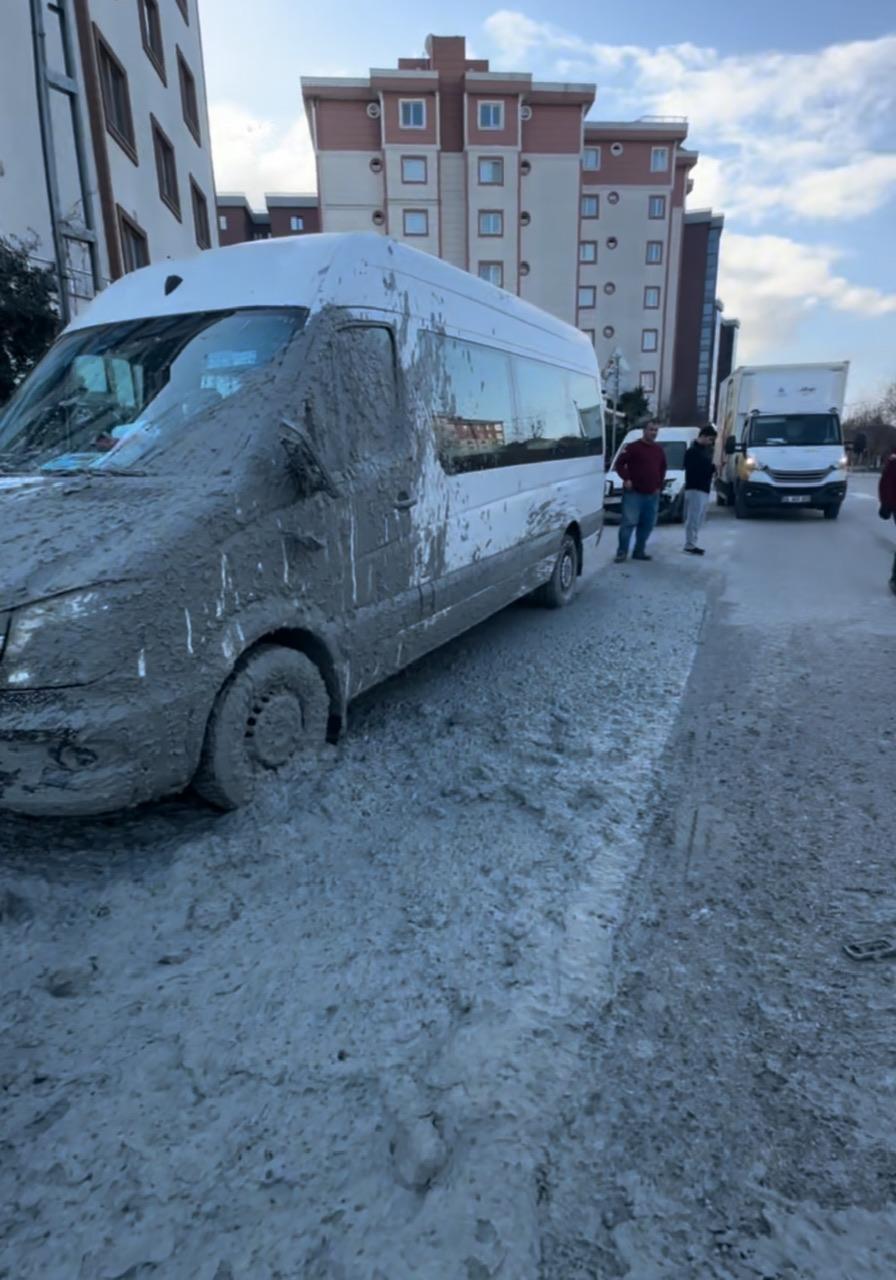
pixel 561 586
pixel 272 710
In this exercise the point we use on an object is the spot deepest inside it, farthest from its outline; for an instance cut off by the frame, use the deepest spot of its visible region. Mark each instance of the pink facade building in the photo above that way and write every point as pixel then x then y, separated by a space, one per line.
pixel 502 175
pixel 283 215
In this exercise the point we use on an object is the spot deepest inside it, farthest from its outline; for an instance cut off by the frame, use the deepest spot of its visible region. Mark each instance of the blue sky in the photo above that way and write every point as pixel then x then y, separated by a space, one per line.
pixel 792 108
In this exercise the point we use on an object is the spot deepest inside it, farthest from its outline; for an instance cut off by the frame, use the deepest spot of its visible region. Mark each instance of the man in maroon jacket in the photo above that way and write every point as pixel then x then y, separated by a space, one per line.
pixel 887 494
pixel 642 465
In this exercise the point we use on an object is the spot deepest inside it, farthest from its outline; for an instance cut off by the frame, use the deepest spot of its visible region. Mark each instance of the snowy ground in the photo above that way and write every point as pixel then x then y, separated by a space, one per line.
pixel 331 1036
pixel 506 990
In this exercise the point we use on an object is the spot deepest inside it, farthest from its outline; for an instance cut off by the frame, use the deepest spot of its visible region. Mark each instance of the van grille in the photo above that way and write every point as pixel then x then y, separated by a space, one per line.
pixel 799 477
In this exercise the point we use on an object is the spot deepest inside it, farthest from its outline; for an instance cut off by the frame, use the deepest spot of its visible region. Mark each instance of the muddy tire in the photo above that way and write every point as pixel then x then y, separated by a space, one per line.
pixel 272 710
pixel 561 586
pixel 741 510
pixel 832 511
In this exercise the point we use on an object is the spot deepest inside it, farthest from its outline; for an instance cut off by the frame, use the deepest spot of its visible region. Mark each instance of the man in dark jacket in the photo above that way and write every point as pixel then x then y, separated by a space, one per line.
pixel 887 494
pixel 698 474
pixel 642 466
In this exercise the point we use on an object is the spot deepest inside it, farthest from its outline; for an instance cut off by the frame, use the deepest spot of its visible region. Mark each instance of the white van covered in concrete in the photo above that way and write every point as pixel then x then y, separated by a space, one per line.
pixel 242 488
pixel 780 443
pixel 675 442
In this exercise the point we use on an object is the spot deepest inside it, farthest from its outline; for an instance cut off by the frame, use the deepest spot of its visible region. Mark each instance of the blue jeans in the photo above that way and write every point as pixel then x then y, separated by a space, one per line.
pixel 639 512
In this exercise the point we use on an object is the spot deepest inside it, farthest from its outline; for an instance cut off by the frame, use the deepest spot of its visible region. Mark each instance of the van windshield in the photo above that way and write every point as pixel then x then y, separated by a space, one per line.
pixel 102 399
pixel 796 429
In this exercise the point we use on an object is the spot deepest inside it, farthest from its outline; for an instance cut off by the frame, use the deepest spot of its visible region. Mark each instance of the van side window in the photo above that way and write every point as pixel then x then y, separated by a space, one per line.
pixel 472 405
pixel 589 405
pixel 547 415
pixel 365 388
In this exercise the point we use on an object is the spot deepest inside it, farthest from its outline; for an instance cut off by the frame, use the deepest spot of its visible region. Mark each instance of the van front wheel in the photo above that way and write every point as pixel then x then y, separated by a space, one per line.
pixel 272 709
pixel 561 586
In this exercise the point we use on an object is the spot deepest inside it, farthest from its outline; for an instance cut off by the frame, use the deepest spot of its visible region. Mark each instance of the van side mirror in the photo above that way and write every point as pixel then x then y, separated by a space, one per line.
pixel 730 445
pixel 305 465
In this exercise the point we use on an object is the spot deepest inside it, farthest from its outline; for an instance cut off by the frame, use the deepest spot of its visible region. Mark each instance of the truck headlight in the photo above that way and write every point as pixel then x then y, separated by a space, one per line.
pixel 842 464
pixel 752 464
pixel 57 642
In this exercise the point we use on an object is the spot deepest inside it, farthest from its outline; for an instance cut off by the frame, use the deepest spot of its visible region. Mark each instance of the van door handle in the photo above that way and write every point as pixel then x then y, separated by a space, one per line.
pixel 404 502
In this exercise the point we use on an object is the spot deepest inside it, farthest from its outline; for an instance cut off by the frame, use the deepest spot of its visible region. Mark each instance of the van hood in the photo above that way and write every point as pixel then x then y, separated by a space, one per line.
pixel 813 457
pixel 64 533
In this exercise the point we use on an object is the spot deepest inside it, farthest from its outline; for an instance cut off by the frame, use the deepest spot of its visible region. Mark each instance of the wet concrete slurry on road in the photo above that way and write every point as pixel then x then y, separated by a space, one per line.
pixel 541 976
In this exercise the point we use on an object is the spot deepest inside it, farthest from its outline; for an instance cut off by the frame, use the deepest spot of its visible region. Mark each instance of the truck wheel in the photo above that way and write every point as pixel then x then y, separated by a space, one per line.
pixel 272 709
pixel 832 512
pixel 720 499
pixel 560 587
pixel 741 510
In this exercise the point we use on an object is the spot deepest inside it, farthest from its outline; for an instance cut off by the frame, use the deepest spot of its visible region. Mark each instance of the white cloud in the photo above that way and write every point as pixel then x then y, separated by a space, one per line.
pixel 252 155
pixel 771 283
pixel 803 135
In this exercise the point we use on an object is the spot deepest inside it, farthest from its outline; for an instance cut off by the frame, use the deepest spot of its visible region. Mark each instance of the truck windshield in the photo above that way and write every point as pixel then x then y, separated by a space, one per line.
pixel 102 399
pixel 796 429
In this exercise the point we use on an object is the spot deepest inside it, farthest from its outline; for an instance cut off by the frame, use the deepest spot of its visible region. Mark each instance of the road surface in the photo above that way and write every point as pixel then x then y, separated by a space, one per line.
pixel 539 975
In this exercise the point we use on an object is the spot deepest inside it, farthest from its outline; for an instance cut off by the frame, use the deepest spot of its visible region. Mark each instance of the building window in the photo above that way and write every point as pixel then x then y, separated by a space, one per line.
pixel 183 6
pixel 189 101
pixel 116 99
pixel 590 206
pixel 656 207
pixel 491 171
pixel 200 215
pixel 654 252
pixel 134 245
pixel 649 339
pixel 151 33
pixel 651 297
pixel 412 112
pixel 222 221
pixel 591 158
pixel 416 222
pixel 491 115
pixel 659 159
pixel 166 168
pixel 413 169
pixel 296 222
pixel 491 222
pixel 586 296
pixel 587 251
pixel 493 272
pixel 648 380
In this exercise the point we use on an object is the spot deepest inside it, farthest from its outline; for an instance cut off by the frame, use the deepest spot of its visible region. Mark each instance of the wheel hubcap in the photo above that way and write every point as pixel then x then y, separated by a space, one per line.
pixel 566 571
pixel 274 729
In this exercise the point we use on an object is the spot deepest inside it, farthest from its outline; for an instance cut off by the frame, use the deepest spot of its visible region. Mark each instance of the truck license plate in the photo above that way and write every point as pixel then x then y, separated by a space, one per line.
pixel 796 497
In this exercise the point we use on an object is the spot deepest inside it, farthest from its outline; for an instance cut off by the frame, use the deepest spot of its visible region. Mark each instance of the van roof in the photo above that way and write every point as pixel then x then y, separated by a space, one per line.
pixel 340 269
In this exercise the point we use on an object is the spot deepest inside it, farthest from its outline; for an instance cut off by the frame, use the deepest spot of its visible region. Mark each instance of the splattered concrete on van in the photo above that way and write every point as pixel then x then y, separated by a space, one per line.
pixel 331 1036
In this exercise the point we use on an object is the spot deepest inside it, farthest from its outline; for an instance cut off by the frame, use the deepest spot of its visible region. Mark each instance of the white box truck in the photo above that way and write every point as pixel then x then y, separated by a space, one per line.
pixel 780 443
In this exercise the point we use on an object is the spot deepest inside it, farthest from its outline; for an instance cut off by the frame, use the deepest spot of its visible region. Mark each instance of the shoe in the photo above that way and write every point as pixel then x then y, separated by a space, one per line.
pixel 695 551
pixel 641 555
pixel 620 557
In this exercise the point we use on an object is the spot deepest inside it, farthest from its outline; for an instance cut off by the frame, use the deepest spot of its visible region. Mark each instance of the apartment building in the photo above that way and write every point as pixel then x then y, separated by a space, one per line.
pixel 105 162
pixel 283 215
pixel 726 357
pixel 699 320
pixel 503 175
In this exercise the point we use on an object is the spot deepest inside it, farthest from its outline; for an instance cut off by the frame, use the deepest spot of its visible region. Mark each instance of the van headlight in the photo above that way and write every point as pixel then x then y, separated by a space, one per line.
pixel 752 464
pixel 58 642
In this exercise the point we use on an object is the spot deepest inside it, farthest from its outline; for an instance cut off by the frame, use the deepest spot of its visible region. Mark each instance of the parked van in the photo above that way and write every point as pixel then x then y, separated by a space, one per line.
pixel 242 488
pixel 675 441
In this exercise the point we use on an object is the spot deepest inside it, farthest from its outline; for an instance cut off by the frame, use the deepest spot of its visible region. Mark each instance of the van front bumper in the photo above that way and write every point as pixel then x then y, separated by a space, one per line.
pixel 778 495
pixel 81 751
pixel 613 504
